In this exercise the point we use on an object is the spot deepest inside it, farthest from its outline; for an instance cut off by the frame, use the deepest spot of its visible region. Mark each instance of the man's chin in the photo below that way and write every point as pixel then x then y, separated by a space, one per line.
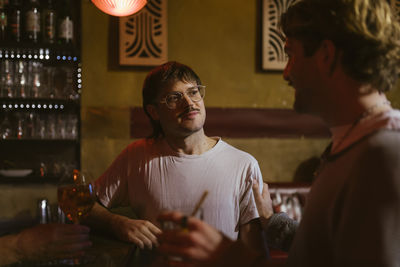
pixel 188 132
pixel 190 128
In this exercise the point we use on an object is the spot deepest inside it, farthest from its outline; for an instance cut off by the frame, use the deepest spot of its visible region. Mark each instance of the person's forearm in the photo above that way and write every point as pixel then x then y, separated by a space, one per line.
pixel 9 250
pixel 141 232
pixel 101 219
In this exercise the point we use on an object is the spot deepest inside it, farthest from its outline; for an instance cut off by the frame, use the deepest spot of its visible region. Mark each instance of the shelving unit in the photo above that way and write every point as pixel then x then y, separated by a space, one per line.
pixel 43 119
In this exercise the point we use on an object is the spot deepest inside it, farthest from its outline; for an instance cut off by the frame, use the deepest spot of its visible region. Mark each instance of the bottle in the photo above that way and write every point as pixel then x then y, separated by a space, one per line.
pixel 43 211
pixel 65 23
pixel 15 21
pixel 3 21
pixel 49 23
pixel 32 21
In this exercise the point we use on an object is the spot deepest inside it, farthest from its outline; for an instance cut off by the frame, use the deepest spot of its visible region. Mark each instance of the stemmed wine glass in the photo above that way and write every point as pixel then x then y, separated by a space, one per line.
pixel 76 198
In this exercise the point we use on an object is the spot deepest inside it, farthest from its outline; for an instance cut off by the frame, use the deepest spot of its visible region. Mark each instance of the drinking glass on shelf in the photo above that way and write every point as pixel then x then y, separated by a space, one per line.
pixel 21 79
pixel 71 127
pixel 61 126
pixel 48 76
pixel 20 127
pixel 76 198
pixel 51 126
pixel 6 76
pixel 6 131
pixel 58 82
pixel 36 83
pixel 30 125
pixel 40 125
pixel 55 168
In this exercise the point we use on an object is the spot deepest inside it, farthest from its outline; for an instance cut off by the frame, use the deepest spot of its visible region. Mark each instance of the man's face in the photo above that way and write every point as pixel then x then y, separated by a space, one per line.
pixel 188 117
pixel 302 73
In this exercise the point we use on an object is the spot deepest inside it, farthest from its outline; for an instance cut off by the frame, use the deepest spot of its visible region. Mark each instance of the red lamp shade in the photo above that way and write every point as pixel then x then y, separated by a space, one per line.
pixel 120 8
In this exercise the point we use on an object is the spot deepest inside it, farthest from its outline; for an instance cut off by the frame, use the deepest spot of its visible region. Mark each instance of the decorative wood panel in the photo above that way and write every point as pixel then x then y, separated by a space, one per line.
pixel 143 37
pixel 274 57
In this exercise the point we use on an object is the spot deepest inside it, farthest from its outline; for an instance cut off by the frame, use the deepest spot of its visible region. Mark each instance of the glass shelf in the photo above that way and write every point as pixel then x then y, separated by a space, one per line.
pixel 38 104
pixel 30 179
pixel 43 128
pixel 66 142
pixel 51 53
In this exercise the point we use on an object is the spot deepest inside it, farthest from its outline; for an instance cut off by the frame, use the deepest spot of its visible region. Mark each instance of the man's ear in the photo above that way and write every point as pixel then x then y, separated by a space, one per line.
pixel 328 56
pixel 152 110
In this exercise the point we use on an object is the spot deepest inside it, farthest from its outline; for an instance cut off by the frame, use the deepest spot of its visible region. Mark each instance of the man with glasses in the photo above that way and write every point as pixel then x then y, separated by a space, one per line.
pixel 171 169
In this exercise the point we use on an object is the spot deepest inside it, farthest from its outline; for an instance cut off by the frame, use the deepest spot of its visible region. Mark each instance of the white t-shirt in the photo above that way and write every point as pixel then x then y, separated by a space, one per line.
pixel 150 177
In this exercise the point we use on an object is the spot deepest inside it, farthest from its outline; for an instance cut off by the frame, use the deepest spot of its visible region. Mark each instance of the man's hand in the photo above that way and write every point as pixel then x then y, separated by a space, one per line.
pixel 263 202
pixel 142 233
pixel 198 242
pixel 51 241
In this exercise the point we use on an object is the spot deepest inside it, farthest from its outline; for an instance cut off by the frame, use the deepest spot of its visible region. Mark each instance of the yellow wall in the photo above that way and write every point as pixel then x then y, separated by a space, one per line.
pixel 218 40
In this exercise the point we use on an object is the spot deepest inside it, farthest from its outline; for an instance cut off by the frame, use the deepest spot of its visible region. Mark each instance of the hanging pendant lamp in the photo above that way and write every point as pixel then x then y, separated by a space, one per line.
pixel 120 8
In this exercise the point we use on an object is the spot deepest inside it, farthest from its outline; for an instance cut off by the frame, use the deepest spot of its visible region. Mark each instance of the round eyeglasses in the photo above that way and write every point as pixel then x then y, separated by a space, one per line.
pixel 173 99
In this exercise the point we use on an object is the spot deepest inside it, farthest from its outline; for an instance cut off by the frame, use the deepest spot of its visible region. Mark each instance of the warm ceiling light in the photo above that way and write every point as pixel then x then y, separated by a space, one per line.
pixel 120 8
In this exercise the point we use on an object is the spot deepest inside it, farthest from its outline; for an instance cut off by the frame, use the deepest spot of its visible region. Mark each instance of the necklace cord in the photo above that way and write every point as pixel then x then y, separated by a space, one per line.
pixel 328 149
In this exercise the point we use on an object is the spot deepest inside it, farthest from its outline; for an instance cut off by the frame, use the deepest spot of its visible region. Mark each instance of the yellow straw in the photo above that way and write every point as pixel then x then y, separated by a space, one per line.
pixel 198 205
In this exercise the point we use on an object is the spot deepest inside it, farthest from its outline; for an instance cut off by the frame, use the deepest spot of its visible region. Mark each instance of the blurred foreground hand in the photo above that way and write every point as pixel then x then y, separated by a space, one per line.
pixel 194 241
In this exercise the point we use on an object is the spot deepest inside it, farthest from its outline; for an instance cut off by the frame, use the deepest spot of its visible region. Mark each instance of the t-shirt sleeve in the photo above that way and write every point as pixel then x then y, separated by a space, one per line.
pixel 247 204
pixel 112 186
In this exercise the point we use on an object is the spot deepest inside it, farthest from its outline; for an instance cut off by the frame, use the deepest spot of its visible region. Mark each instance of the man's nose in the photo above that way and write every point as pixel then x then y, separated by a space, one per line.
pixel 187 100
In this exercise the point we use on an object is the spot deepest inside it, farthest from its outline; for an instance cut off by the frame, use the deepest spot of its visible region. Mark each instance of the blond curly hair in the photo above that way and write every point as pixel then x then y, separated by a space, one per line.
pixel 366 31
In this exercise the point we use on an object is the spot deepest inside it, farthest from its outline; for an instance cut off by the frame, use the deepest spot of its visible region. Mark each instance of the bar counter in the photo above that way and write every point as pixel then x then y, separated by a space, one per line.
pixel 108 251
pixel 105 252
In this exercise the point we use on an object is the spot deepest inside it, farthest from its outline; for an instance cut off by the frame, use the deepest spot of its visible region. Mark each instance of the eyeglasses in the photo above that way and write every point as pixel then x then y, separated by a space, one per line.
pixel 195 93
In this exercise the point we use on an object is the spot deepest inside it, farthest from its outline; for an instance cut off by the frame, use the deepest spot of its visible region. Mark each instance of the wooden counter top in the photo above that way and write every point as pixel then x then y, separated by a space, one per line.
pixel 105 252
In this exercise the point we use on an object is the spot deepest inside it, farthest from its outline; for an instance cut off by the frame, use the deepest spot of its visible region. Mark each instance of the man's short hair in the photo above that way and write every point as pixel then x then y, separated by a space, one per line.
pixel 366 31
pixel 159 78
